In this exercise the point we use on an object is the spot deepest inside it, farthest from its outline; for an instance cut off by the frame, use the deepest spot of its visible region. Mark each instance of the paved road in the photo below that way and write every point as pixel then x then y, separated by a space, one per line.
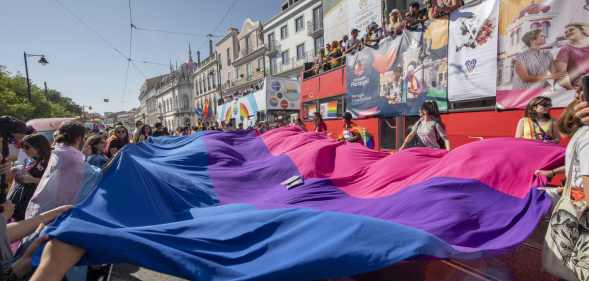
pixel 125 272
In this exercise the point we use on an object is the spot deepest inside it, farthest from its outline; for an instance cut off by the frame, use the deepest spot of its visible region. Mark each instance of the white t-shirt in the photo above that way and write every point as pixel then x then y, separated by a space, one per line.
pixel 580 163
pixel 429 132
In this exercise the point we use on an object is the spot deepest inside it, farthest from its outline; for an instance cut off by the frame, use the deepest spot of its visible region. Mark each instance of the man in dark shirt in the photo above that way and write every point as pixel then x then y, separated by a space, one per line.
pixel 415 18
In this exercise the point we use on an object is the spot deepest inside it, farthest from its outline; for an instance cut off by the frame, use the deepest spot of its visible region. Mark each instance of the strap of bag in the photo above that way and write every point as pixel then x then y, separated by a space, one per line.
pixel 566 193
pixel 544 134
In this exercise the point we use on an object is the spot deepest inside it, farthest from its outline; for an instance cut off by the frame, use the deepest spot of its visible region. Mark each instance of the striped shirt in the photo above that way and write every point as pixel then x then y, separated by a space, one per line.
pixel 537 63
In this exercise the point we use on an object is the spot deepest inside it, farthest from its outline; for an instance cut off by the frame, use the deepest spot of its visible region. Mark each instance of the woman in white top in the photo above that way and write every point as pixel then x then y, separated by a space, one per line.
pixel 532 67
pixel 429 130
pixel 577 152
pixel 64 174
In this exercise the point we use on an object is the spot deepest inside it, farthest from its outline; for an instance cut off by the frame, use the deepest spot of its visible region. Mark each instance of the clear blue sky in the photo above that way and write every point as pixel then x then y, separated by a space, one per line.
pixel 85 68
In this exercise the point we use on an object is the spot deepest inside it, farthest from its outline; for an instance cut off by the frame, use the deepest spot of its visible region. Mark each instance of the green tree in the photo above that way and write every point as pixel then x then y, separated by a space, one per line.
pixel 14 100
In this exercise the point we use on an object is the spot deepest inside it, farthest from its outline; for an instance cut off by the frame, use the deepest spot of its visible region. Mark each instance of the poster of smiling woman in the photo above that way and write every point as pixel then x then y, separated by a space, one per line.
pixel 472 51
pixel 543 50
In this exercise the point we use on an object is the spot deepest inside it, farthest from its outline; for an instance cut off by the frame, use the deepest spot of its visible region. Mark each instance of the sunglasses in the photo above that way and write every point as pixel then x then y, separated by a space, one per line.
pixel 120 132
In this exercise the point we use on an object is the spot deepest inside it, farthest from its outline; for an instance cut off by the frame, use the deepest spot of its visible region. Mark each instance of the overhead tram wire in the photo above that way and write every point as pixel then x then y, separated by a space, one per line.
pixel 219 24
pixel 127 58
pixel 150 62
pixel 130 59
pixel 172 32
pixel 137 69
pixel 130 32
pixel 81 21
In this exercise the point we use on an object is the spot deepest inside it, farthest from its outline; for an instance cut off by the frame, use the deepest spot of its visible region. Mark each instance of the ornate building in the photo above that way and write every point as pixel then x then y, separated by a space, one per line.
pixel 168 98
pixel 246 50
pixel 206 82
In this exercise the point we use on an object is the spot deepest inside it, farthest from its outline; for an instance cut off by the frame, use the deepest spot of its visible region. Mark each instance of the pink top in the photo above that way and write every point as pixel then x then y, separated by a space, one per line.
pixel 577 60
pixel 61 181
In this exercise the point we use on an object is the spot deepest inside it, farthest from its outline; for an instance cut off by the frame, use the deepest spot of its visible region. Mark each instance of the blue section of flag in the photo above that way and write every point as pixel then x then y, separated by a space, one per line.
pixel 155 207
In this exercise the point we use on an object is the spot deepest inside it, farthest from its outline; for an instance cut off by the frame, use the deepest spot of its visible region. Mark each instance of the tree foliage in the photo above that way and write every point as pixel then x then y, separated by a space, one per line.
pixel 14 100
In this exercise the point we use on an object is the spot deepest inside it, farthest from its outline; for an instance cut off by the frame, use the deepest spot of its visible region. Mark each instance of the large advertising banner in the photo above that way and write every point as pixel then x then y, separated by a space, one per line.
pixel 435 62
pixel 472 51
pixel 341 16
pixel 283 94
pixel 389 80
pixel 396 78
pixel 543 50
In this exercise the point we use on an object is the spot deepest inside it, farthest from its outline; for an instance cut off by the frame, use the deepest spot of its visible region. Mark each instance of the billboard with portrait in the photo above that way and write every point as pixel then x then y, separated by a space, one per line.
pixel 543 50
pixel 398 76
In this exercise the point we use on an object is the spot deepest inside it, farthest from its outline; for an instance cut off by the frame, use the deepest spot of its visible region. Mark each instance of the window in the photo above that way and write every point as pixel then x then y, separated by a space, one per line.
pixel 318 18
pixel 238 73
pixel 472 105
pixel 249 71
pixel 271 41
pixel 301 52
pixel 299 24
pixel 248 44
pixel 273 65
pixel 185 102
pixel 318 42
pixel 213 77
pixel 228 57
pixel 260 64
pixel 325 107
pixel 284 56
pixel 284 32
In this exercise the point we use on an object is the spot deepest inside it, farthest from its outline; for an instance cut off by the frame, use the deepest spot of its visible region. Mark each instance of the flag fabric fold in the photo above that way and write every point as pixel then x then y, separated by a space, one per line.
pixel 211 206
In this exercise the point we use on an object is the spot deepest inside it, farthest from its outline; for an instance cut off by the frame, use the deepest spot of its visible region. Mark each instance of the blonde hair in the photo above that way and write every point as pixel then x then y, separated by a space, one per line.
pixel 569 123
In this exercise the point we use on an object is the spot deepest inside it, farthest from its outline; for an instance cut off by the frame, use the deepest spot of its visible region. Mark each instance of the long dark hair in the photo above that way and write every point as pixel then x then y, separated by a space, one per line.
pixel 41 144
pixel 433 111
pixel 142 132
pixel 92 142
pixel 69 132
pixel 530 109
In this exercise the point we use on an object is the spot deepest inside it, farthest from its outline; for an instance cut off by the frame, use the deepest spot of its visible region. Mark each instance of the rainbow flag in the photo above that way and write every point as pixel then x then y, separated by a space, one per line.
pixel 211 206
pixel 331 109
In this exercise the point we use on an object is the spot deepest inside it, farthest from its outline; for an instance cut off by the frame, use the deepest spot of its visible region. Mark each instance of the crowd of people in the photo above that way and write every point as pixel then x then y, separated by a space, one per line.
pixel 52 176
pixel 334 53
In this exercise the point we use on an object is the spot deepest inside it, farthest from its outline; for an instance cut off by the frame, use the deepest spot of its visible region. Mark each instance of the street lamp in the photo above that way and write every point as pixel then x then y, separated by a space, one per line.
pixel 42 61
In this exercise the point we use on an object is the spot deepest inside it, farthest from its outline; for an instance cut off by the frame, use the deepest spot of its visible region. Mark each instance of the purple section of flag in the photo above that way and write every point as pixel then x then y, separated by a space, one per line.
pixel 465 213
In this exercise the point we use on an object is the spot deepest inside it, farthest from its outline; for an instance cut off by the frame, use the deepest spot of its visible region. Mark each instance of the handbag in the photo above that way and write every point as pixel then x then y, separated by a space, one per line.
pixel 565 252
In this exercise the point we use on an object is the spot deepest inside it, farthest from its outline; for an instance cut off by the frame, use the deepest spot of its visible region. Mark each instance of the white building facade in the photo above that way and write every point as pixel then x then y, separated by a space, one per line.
pixel 293 37
pixel 167 98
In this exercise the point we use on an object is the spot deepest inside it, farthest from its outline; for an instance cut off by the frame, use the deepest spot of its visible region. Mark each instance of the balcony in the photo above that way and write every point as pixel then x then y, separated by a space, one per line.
pixel 293 63
pixel 314 29
pixel 272 48
pixel 247 78
pixel 246 55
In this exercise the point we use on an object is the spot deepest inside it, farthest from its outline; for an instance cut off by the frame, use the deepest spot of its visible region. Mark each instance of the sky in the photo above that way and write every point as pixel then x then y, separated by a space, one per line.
pixel 86 68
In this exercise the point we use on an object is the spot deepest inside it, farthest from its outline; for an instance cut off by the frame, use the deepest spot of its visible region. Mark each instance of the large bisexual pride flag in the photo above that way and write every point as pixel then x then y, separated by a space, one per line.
pixel 211 206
